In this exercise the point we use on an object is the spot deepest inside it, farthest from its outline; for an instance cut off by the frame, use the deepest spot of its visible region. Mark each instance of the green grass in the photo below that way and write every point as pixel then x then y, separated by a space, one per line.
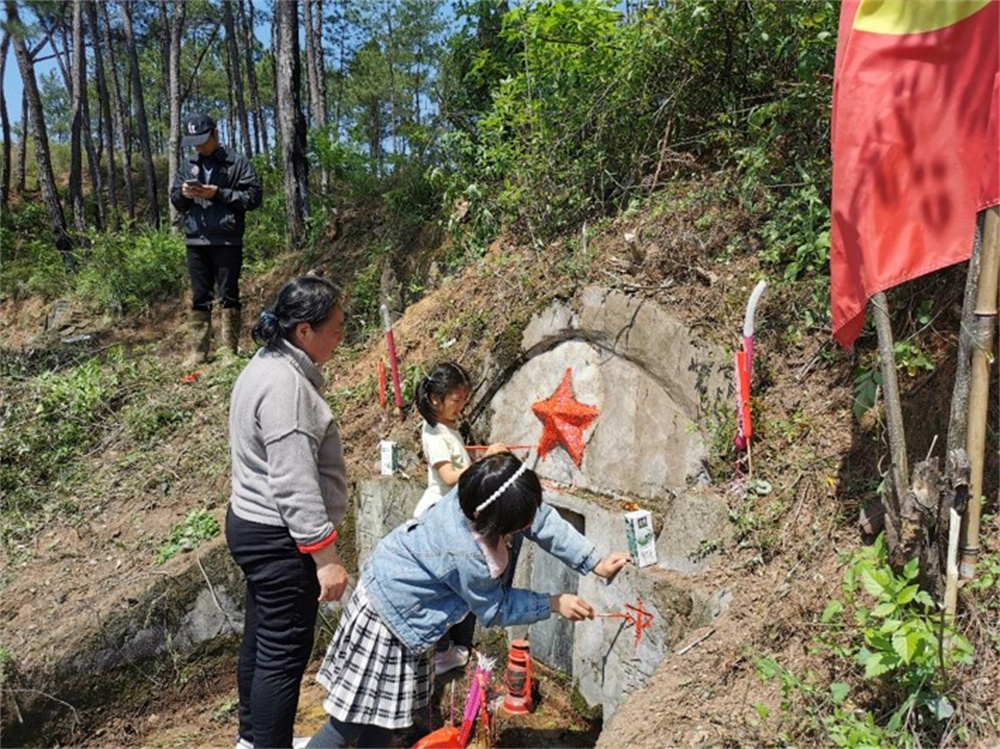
pixel 198 526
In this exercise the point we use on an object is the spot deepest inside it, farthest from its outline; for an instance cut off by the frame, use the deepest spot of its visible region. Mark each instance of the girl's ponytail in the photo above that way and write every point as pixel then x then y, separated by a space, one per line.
pixel 423 400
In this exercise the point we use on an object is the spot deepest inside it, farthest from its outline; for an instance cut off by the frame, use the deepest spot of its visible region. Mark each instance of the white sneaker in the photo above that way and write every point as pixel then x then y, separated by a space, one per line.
pixel 454 657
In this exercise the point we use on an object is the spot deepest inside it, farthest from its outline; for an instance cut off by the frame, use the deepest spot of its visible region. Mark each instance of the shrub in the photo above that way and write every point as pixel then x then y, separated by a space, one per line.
pixel 128 273
pixel 31 263
pixel 887 636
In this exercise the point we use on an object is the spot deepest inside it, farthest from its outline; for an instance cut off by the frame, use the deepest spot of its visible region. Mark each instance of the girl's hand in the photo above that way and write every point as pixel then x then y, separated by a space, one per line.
pixel 612 564
pixel 496 447
pixel 571 607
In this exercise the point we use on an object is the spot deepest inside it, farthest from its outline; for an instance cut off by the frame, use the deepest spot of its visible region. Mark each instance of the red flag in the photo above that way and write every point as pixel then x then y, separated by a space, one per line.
pixel 915 149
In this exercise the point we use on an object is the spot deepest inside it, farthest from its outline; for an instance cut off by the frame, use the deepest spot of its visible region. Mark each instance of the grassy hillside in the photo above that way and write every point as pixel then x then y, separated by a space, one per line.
pixel 114 467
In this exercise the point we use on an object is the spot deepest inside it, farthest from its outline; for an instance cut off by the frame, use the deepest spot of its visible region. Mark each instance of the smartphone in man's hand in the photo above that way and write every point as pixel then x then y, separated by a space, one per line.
pixel 193 183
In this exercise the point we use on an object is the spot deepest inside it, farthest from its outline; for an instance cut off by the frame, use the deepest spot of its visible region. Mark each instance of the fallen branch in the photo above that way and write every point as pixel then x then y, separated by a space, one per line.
pixel 215 598
pixel 28 690
pixel 701 639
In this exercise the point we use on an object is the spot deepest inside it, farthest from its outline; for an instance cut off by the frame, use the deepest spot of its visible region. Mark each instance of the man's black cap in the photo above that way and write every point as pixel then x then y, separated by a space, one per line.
pixel 196 129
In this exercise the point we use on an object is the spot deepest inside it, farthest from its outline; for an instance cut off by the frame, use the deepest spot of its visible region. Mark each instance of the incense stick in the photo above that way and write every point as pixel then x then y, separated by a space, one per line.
pixel 509 447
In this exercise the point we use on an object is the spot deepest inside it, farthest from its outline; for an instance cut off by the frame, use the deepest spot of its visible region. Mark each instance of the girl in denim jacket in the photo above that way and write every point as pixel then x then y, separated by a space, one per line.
pixel 428 574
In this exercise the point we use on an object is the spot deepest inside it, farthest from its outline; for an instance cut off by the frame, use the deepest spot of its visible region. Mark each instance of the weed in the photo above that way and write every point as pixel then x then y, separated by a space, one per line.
pixel 364 296
pixel 129 272
pixel 8 666
pixel 866 385
pixel 910 358
pixel 982 591
pixel 720 427
pixel 343 400
pixel 31 263
pixel 409 379
pixel 198 526
pixel 757 526
pixel 226 710
pixel 266 234
pixel 898 648
pixel 472 324
pixel 706 548
pixel 52 420
pixel 150 420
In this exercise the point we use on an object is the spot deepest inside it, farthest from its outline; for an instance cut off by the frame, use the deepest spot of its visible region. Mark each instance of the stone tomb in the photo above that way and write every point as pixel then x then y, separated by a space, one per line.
pixel 649 383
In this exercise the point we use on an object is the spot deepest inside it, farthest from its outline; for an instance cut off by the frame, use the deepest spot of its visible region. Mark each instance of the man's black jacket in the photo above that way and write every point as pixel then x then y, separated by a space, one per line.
pixel 220 221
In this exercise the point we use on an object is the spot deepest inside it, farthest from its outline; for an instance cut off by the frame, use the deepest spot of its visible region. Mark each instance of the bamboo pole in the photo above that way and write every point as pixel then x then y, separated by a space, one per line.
pixel 899 470
pixel 979 391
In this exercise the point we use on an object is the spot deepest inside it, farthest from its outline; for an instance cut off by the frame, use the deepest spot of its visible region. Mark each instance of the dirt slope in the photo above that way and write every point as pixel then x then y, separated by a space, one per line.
pixel 783 567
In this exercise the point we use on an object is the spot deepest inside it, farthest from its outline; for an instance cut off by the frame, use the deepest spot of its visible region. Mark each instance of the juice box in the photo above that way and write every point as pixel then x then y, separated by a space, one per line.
pixel 639 532
pixel 390 457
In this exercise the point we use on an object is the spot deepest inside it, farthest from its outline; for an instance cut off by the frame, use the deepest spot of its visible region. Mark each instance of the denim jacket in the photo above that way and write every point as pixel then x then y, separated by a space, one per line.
pixel 428 573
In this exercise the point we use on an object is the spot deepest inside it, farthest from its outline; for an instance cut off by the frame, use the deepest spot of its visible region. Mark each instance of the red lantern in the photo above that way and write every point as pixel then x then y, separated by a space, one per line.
pixel 518 681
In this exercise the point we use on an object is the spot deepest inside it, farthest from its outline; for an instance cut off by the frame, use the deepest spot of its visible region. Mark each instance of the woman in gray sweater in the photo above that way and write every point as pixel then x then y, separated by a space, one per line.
pixel 289 494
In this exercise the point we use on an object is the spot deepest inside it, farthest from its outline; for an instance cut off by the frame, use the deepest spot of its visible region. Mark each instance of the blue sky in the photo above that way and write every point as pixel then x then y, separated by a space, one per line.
pixel 12 76
pixel 12 86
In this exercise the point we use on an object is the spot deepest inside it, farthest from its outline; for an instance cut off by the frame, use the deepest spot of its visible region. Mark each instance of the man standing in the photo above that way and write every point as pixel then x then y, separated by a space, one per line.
pixel 213 191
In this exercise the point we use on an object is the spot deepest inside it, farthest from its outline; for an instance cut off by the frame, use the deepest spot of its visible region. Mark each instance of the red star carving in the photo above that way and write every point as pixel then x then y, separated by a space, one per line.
pixel 564 420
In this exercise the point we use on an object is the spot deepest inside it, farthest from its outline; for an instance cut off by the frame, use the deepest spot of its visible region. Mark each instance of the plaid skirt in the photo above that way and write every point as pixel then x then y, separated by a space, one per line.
pixel 371 676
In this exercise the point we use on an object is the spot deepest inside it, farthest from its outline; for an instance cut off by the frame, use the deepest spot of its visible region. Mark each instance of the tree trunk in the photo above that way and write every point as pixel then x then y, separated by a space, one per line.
pixel 275 53
pixel 80 135
pixel 50 25
pixel 312 77
pixel 323 117
pixel 959 419
pixel 924 516
pixel 139 102
pixel 46 178
pixel 231 121
pixel 5 125
pixel 417 76
pixel 205 48
pixel 77 91
pixel 93 159
pixel 119 109
pixel 22 149
pixel 259 124
pixel 311 83
pixel 174 96
pixel 898 466
pixel 234 58
pixel 316 71
pixel 106 125
pixel 293 126
pixel 390 59
pixel 165 31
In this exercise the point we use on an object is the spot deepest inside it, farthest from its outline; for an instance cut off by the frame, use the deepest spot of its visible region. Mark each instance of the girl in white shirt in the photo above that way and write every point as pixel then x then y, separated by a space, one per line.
pixel 441 397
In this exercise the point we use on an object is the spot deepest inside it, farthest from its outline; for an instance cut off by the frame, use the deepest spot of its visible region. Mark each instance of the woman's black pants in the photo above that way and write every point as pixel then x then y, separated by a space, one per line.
pixel 282 602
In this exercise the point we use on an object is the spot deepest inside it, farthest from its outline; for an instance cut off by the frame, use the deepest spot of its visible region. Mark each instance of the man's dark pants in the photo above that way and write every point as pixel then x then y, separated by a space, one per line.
pixel 211 267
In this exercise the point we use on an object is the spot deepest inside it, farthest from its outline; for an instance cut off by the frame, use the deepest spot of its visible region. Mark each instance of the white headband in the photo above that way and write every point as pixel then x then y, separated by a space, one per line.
pixel 502 488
